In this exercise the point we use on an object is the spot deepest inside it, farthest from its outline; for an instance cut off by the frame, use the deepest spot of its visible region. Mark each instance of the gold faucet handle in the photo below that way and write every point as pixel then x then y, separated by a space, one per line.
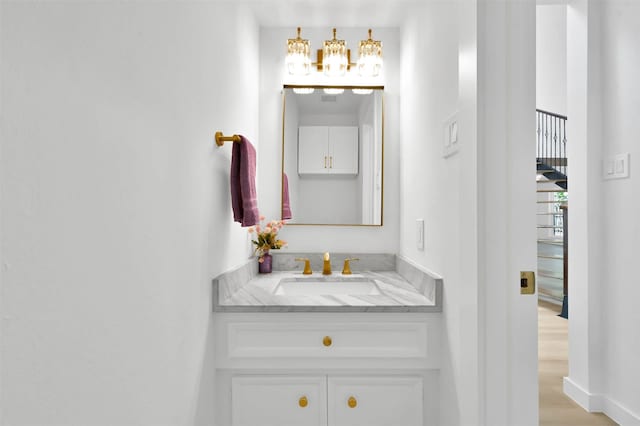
pixel 346 269
pixel 307 265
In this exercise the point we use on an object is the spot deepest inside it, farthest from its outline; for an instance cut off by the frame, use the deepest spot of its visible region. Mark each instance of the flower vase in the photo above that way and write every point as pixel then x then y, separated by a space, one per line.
pixel 264 266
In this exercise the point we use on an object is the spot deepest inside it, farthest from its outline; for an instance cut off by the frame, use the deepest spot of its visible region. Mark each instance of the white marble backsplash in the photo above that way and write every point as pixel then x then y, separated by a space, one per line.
pixel 228 283
pixel 425 282
pixel 285 261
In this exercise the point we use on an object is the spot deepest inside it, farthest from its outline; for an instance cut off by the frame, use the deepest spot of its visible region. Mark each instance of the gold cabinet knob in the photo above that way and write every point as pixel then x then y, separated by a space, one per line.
pixel 327 341
pixel 303 402
pixel 352 402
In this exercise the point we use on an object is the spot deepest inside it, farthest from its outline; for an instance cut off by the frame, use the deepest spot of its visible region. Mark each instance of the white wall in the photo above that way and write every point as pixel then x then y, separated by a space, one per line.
pixel 621 106
pixel 479 235
pixel 115 205
pixel 551 58
pixel 604 234
pixel 272 76
pixel 430 185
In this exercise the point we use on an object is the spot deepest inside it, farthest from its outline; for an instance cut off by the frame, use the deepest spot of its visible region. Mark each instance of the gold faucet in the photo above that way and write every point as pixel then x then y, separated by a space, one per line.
pixel 346 269
pixel 307 266
pixel 326 266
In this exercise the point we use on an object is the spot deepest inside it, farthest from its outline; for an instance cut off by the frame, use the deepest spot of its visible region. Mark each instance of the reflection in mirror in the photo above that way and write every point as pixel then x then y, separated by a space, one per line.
pixel 332 148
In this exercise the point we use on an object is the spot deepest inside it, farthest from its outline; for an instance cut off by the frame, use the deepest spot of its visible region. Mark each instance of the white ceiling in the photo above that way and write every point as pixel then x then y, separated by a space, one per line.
pixel 339 13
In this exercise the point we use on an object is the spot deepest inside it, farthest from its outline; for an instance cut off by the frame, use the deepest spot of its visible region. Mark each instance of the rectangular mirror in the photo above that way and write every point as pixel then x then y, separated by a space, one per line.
pixel 332 156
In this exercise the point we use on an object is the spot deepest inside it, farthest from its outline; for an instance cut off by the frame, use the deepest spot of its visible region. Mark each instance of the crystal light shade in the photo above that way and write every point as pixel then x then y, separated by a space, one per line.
pixel 369 57
pixel 334 57
pixel 298 62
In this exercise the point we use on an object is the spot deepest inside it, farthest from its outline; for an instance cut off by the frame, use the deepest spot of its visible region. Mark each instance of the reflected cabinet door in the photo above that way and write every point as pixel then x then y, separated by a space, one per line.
pixel 375 401
pixel 313 157
pixel 328 150
pixel 343 150
pixel 278 401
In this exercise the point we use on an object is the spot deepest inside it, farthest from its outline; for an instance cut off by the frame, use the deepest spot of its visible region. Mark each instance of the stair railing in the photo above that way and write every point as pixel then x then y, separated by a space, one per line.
pixel 552 140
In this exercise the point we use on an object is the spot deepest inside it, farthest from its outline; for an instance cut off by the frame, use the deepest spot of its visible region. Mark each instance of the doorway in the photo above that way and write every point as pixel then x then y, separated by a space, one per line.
pixel 554 201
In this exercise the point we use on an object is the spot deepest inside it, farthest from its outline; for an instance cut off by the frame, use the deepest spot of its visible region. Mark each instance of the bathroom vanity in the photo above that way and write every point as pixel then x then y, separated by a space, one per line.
pixel 294 349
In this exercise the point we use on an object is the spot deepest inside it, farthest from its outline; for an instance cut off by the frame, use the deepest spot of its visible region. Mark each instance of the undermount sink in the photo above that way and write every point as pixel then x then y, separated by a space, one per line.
pixel 326 286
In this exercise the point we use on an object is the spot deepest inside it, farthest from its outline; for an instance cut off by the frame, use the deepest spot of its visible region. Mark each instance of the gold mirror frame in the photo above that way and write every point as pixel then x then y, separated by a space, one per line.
pixel 321 87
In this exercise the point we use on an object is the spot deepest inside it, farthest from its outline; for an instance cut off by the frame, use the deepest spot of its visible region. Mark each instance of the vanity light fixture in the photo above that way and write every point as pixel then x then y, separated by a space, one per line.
pixel 298 62
pixel 334 57
pixel 369 57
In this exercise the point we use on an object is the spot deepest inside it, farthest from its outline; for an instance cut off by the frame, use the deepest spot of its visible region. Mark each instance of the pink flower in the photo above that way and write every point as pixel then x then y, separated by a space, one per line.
pixel 266 236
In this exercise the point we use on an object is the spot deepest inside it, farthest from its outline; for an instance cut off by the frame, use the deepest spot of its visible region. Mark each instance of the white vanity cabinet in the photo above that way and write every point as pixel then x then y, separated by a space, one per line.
pixel 331 400
pixel 329 369
pixel 328 150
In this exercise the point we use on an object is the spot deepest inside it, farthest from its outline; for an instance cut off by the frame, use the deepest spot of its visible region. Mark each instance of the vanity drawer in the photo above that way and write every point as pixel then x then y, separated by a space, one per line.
pixel 327 340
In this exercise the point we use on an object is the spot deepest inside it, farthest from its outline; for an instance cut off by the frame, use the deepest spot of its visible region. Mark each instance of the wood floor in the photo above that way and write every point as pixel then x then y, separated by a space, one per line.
pixel 556 409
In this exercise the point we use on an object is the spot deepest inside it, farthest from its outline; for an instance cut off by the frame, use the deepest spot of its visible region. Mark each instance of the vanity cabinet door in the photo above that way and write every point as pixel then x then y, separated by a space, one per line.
pixel 375 401
pixel 278 401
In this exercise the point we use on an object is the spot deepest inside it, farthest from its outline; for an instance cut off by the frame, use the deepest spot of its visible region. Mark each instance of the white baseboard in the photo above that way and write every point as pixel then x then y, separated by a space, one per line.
pixel 597 403
pixel 579 395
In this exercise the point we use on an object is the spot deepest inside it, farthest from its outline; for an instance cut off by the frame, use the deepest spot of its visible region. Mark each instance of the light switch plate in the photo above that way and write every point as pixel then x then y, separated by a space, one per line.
pixel 451 139
pixel 616 166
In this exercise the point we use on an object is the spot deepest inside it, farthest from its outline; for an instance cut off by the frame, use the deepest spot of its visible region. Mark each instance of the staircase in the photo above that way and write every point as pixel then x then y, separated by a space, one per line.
pixel 552 187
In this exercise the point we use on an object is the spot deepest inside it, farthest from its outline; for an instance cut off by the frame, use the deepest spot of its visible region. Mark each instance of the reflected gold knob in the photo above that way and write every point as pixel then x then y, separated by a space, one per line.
pixel 303 402
pixel 352 402
pixel 327 341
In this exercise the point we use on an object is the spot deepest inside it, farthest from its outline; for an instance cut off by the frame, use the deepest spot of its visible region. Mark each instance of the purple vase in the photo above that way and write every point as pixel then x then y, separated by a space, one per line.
pixel 264 267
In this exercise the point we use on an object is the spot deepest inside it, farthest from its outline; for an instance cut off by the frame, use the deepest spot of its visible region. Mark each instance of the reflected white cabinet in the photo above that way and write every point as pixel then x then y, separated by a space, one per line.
pixel 327 401
pixel 328 150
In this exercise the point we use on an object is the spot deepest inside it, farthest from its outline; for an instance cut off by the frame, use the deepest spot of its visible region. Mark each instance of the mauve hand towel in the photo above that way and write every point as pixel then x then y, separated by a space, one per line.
pixel 244 200
pixel 286 204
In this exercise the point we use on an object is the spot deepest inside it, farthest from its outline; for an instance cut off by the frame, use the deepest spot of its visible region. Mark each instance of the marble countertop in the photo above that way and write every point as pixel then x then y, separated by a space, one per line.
pixel 257 294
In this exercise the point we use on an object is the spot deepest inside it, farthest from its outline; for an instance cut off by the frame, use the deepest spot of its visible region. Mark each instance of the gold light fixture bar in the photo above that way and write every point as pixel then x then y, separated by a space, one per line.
pixel 318 63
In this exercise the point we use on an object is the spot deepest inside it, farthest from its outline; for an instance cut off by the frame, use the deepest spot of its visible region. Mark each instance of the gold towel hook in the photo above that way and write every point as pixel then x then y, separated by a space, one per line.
pixel 221 139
